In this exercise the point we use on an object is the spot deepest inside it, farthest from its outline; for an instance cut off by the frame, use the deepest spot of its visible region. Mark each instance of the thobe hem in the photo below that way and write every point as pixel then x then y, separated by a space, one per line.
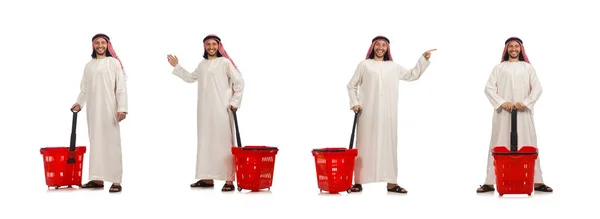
pixel 378 181
pixel 215 177
pixel 99 178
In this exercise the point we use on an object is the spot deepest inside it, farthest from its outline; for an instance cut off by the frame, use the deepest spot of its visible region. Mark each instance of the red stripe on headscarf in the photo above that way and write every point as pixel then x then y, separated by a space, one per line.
pixel 523 54
pixel 221 50
pixel 389 53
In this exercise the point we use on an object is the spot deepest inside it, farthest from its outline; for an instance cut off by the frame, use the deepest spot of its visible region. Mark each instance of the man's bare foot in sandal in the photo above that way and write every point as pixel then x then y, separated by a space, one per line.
pixel 541 187
pixel 356 188
pixel 486 188
pixel 392 187
pixel 228 186
pixel 93 184
pixel 203 183
pixel 115 187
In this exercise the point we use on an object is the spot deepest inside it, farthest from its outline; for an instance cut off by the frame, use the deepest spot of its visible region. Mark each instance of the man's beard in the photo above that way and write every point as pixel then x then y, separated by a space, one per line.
pixel 102 54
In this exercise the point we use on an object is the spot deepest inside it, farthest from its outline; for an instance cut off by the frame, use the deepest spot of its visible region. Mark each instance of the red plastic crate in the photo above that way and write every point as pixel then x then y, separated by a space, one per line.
pixel 514 170
pixel 254 167
pixel 58 172
pixel 335 168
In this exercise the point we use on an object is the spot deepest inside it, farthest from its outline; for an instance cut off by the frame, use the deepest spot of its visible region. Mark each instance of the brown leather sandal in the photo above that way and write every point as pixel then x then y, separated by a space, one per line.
pixel 228 187
pixel 485 188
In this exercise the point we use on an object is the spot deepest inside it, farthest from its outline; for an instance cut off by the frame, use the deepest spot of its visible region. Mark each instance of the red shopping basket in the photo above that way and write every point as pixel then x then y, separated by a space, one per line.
pixel 335 166
pixel 63 165
pixel 254 165
pixel 514 169
pixel 58 172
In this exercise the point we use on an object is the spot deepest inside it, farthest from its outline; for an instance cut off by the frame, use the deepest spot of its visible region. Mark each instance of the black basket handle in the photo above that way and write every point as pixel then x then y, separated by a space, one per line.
pixel 351 137
pixel 513 131
pixel 71 159
pixel 259 149
pixel 237 130
pixel 354 128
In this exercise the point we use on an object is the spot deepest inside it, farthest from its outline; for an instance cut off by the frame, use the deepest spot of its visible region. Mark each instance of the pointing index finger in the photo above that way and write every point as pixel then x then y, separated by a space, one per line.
pixel 431 50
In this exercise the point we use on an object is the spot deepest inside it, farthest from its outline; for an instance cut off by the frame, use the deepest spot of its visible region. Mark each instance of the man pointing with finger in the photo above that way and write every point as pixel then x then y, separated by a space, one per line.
pixel 378 77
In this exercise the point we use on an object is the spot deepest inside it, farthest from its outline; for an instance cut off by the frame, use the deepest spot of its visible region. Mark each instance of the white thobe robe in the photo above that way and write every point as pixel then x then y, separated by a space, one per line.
pixel 376 136
pixel 104 91
pixel 512 82
pixel 219 85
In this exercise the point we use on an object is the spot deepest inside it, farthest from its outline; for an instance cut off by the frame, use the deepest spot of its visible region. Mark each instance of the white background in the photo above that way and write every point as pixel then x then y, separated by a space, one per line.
pixel 296 59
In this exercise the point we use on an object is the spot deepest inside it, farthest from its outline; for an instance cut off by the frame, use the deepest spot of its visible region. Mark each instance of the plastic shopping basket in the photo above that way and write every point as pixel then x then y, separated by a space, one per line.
pixel 254 165
pixel 515 169
pixel 335 166
pixel 63 165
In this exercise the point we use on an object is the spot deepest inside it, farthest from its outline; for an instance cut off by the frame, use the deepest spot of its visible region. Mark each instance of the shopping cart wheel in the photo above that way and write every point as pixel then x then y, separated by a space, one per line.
pixel 56 186
pixel 529 194
pixel 239 188
pixel 349 190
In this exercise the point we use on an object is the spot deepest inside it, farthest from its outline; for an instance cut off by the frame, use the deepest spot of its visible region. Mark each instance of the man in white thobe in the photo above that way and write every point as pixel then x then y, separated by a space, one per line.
pixel 513 84
pixel 104 91
pixel 378 77
pixel 220 89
